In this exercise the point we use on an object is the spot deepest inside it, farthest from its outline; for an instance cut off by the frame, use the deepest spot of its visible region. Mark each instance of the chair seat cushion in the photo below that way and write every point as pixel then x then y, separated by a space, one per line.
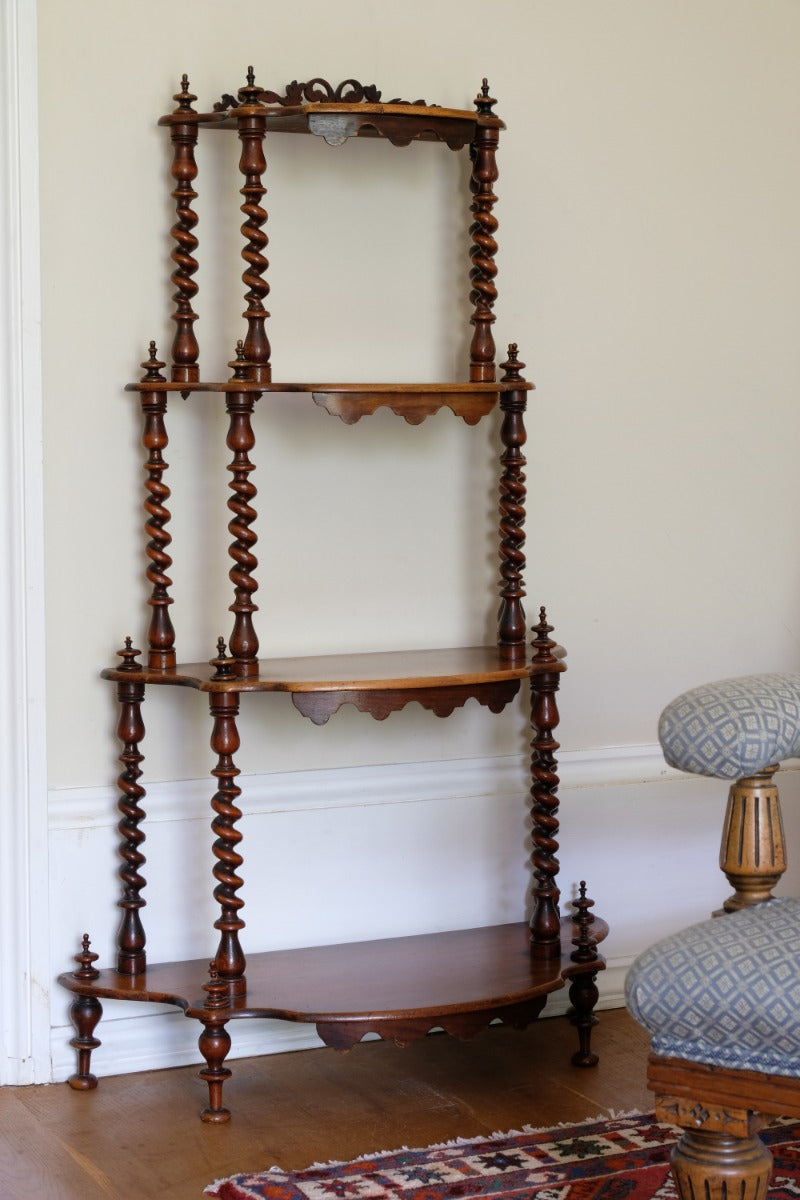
pixel 733 728
pixel 725 992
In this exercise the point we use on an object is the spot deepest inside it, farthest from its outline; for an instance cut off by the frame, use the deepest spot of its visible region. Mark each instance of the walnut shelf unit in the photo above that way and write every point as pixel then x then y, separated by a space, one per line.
pixel 400 987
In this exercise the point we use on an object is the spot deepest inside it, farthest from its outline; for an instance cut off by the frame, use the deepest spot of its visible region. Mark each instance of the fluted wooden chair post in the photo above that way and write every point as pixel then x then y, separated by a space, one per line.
pixel 753 846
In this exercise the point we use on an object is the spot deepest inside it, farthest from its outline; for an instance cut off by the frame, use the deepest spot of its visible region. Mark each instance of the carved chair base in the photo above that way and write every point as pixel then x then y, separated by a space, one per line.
pixel 720 1111
pixel 716 1166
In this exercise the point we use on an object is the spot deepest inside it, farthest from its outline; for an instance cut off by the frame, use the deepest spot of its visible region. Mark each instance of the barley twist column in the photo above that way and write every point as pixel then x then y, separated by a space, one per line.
pixel 511 623
pixel 545 922
pixel 229 960
pixel 240 440
pixel 185 349
pixel 161 634
pixel 484 246
pixel 251 120
pixel 131 958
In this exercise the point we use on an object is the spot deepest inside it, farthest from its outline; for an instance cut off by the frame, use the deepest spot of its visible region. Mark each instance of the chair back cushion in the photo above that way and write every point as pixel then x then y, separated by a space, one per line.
pixel 733 728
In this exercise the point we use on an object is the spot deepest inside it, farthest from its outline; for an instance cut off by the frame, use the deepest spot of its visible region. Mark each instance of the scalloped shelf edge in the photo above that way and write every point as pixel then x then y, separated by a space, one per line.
pixel 343 1036
pixel 319 707
pixel 414 407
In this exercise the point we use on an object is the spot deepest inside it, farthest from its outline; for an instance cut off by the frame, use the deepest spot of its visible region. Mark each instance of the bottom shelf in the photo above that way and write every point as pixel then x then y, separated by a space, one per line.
pixel 399 988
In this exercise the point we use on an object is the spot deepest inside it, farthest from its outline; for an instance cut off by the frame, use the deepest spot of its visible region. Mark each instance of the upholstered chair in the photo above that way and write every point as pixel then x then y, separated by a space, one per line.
pixel 721 1000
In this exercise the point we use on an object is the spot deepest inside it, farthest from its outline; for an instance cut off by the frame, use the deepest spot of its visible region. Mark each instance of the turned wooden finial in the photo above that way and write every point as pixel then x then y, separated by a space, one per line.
pixel 85 960
pixel 542 644
pixel 216 989
pixel 586 945
pixel 250 94
pixel 483 101
pixel 512 367
pixel 223 665
pixel 239 365
pixel 152 366
pixel 184 97
pixel 129 654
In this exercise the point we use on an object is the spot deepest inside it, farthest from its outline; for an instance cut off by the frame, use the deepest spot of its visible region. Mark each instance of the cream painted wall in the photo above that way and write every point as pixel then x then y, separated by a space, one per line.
pixel 650 271
pixel 649 268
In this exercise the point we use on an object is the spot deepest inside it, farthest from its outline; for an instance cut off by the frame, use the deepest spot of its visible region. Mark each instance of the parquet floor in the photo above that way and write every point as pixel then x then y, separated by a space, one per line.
pixel 138 1137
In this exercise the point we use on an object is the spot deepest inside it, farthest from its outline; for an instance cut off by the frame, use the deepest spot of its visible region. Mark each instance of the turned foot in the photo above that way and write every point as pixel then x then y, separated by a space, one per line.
pixel 716 1166
pixel 85 1012
pixel 214 1043
pixel 583 996
pixel 583 993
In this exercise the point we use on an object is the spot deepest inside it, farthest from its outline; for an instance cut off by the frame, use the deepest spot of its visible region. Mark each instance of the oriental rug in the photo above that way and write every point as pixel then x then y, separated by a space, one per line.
pixel 620 1158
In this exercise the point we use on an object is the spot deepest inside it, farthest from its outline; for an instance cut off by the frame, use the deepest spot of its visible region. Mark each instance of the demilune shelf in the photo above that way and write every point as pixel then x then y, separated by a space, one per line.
pixel 351 401
pixel 400 988
pixel 378 683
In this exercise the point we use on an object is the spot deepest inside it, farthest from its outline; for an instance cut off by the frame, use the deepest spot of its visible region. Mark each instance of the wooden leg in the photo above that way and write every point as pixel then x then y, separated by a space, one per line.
pixel 753 849
pixel 85 1012
pixel 214 1043
pixel 583 995
pixel 719 1154
pixel 716 1166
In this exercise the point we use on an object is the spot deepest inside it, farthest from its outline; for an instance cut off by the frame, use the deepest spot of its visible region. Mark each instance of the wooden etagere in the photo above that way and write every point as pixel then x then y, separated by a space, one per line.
pixel 402 987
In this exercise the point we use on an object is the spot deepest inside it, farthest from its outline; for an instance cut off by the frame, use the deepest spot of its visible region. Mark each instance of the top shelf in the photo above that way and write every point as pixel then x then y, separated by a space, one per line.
pixel 337 113
pixel 335 116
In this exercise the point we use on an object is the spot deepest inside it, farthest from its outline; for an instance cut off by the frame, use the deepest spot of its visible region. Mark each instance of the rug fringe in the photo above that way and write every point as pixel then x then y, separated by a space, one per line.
pixel 611 1115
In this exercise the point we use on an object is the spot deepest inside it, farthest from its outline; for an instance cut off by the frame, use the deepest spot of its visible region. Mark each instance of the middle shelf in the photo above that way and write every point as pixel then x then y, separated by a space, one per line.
pixel 351 401
pixel 379 683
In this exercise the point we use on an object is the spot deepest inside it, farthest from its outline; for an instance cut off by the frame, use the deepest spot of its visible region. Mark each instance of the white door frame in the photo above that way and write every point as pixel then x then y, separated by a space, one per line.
pixel 24 959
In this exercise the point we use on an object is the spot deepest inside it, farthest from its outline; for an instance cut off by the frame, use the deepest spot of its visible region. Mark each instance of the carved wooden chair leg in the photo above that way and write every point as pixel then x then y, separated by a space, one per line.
pixel 753 848
pixel 719 1154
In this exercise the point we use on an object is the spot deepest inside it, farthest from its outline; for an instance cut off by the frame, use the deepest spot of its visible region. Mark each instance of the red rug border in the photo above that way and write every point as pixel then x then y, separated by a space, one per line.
pixel 563 1130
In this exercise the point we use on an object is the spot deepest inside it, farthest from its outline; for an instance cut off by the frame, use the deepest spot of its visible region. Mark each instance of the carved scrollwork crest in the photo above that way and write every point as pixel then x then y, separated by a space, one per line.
pixel 319 91
pixel 316 91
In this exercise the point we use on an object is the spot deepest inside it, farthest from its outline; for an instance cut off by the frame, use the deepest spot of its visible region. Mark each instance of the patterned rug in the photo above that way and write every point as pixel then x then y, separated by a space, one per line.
pixel 625 1158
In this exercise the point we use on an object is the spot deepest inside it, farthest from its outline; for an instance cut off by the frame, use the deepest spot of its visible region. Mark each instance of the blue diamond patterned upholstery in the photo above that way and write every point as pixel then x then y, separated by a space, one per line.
pixel 733 728
pixel 725 992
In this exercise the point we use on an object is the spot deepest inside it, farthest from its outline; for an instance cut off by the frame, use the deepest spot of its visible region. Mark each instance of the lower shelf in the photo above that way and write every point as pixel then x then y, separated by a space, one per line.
pixel 397 987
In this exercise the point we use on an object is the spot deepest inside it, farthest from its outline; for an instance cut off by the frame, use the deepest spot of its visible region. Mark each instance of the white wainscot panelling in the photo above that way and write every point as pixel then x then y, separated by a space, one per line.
pixel 379 851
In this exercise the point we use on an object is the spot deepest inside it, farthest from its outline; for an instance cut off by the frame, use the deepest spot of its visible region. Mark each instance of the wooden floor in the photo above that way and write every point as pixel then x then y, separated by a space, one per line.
pixel 139 1136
